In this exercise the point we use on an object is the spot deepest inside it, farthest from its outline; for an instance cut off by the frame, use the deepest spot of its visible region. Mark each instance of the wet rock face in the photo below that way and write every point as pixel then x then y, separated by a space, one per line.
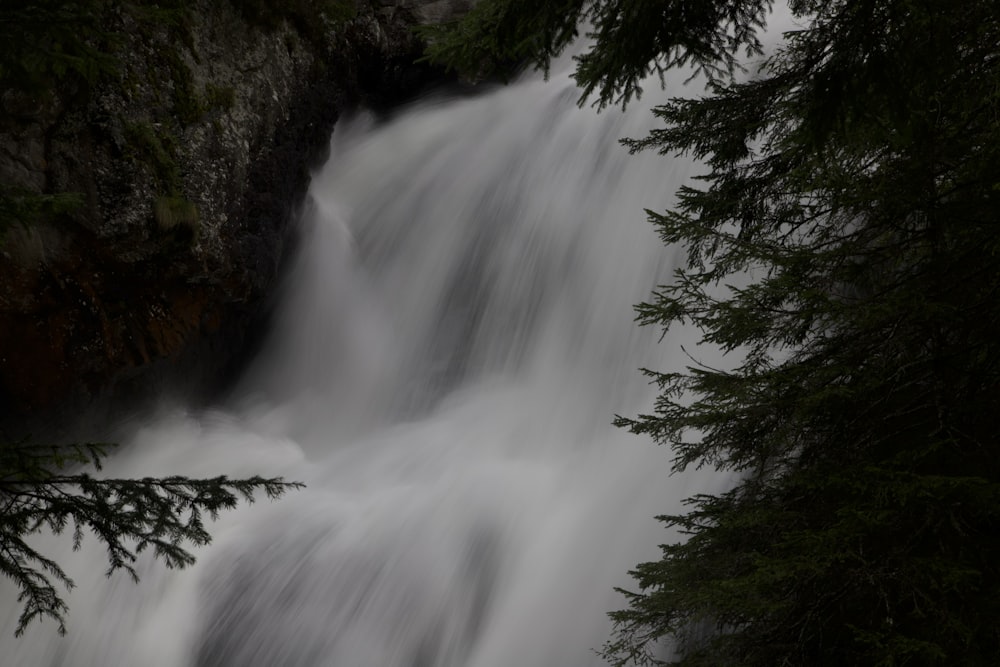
pixel 189 166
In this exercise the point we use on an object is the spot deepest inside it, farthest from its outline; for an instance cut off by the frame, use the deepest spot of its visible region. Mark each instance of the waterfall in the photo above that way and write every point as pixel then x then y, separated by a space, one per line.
pixel 453 343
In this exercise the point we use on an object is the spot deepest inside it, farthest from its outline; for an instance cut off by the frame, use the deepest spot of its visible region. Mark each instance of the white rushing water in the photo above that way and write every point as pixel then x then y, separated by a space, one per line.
pixel 453 344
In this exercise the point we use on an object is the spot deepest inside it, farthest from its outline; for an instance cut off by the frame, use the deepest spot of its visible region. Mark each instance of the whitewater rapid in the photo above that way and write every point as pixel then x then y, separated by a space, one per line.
pixel 453 343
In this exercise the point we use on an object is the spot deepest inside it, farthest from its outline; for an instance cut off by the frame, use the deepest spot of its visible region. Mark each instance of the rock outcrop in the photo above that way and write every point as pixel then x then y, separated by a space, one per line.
pixel 188 164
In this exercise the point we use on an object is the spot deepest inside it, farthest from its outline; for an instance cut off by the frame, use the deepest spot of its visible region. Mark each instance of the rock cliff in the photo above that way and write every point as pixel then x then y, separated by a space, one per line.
pixel 185 166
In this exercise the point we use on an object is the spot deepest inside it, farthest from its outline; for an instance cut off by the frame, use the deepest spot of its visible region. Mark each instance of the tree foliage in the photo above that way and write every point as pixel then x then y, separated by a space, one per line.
pixel 844 247
pixel 631 39
pixel 43 490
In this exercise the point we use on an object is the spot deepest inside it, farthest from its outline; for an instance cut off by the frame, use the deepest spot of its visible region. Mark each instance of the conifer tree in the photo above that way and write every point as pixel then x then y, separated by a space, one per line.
pixel 45 488
pixel 853 187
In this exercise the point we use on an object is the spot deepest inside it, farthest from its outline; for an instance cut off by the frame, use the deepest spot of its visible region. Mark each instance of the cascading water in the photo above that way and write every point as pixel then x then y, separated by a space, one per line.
pixel 455 340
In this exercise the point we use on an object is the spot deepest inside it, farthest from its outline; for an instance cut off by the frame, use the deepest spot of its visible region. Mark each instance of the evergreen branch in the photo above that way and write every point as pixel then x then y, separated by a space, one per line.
pixel 129 516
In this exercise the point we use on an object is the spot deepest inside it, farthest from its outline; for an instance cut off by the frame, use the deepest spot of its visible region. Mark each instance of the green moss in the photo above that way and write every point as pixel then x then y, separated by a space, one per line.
pixel 187 103
pixel 219 97
pixel 156 148
pixel 176 213
pixel 22 208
